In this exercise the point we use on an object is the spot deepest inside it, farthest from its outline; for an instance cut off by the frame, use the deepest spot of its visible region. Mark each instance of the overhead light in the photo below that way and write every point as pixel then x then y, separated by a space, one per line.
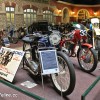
pixel 72 12
pixel 95 13
pixel 59 11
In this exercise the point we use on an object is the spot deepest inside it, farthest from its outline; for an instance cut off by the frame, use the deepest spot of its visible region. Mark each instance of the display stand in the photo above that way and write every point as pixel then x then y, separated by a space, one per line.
pixel 49 63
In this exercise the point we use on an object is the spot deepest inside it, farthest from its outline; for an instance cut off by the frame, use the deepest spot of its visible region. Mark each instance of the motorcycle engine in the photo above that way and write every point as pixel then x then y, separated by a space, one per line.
pixel 43 42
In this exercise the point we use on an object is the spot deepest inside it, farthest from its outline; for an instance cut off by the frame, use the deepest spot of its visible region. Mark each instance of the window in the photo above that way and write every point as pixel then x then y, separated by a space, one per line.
pixel 48 15
pixel 29 16
pixel 10 14
pixel 82 15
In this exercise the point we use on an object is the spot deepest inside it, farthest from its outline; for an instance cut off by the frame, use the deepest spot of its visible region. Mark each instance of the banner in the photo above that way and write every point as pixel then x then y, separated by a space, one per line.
pixel 9 62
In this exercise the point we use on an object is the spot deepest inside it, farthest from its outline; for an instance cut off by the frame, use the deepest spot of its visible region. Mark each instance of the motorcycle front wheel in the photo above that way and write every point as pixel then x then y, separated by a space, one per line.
pixel 87 59
pixel 64 81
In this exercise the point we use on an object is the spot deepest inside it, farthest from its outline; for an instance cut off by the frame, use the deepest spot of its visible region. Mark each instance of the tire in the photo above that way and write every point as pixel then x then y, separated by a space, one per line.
pixel 87 59
pixel 69 81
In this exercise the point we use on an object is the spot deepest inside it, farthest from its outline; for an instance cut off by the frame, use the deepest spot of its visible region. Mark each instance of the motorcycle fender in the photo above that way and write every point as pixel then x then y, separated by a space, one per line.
pixel 87 45
pixel 65 50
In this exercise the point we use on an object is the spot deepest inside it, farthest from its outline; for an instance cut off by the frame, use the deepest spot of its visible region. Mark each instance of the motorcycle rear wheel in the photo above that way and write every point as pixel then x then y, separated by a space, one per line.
pixel 87 59
pixel 64 81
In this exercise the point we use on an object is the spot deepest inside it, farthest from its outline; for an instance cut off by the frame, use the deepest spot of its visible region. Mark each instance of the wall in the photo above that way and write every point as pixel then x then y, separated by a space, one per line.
pixel 74 9
pixel 53 6
pixel 19 6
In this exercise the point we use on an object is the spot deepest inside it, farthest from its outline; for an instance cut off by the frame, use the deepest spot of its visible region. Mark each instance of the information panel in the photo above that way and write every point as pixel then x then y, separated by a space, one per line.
pixel 9 62
pixel 49 61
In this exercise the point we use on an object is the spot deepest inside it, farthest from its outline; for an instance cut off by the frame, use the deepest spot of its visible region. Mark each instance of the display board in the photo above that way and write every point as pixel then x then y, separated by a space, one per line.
pixel 9 62
pixel 49 61
pixel 95 22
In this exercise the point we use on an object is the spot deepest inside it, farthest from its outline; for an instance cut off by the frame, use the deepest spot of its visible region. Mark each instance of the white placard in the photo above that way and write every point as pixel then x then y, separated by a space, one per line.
pixel 9 62
pixel 49 61
pixel 28 84
pixel 97 31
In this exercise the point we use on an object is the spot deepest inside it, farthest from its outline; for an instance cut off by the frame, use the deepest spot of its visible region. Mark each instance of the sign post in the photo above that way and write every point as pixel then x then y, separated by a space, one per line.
pixel 49 61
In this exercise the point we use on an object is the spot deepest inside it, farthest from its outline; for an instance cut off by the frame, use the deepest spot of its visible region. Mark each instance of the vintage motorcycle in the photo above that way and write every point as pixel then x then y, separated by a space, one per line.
pixel 64 80
pixel 8 36
pixel 86 54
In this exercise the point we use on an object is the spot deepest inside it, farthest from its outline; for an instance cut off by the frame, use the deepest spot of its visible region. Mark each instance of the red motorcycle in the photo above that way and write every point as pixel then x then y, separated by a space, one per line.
pixel 86 55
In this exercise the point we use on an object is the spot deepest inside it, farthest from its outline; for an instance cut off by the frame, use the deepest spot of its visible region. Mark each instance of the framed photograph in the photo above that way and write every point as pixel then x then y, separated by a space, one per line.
pixel 49 61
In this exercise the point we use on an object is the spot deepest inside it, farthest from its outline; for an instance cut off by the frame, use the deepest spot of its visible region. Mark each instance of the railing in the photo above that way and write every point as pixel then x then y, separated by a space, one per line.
pixel 90 88
pixel 21 90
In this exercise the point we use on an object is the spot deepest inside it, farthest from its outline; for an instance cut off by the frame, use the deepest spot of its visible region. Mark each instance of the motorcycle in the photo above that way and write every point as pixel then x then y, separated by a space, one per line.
pixel 22 31
pixel 86 54
pixel 64 80
pixel 8 37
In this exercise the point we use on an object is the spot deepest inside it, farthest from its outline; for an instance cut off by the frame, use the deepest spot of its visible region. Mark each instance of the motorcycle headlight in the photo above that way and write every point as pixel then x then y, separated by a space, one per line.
pixel 54 39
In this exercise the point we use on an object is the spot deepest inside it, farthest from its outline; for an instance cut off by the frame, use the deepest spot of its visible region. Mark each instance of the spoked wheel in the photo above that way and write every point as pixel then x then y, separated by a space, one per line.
pixel 64 81
pixel 87 59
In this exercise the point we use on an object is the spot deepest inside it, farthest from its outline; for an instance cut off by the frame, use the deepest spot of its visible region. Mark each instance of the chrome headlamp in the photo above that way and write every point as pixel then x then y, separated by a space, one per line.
pixel 55 38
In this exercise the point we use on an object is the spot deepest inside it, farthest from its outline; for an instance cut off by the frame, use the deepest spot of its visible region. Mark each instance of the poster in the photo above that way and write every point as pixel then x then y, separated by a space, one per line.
pixel 49 61
pixel 9 62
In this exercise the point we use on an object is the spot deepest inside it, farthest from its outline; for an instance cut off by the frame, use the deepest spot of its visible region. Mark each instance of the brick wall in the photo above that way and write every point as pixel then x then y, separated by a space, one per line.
pixel 2 21
pixel 19 6
pixel 19 20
